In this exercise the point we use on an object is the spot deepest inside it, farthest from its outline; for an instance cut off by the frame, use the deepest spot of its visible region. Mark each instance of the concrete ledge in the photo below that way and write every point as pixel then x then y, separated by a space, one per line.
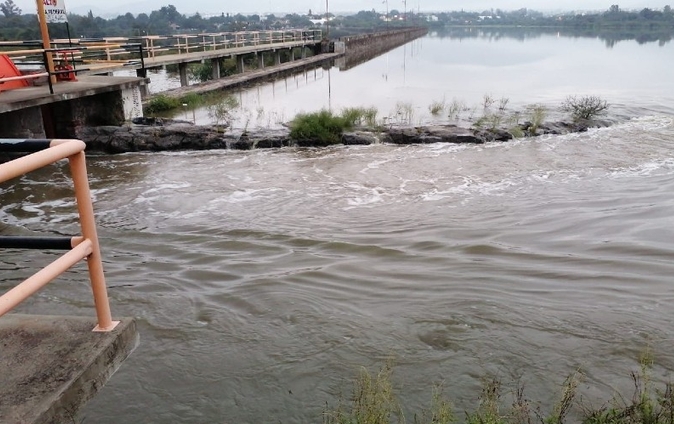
pixel 52 365
pixel 85 86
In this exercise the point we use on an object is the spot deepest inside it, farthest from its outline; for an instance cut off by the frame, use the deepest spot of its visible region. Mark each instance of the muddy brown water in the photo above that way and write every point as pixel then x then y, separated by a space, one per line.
pixel 262 280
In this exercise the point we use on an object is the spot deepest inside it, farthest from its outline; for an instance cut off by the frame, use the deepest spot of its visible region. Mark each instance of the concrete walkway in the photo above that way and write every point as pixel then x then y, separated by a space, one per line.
pixel 249 77
pixel 50 366
pixel 23 98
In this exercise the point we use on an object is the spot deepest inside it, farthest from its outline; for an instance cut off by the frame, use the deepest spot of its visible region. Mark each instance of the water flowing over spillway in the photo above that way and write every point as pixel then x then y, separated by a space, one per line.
pixel 261 280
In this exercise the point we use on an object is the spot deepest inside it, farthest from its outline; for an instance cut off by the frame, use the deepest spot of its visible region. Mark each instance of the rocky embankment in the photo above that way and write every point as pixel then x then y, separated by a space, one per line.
pixel 159 135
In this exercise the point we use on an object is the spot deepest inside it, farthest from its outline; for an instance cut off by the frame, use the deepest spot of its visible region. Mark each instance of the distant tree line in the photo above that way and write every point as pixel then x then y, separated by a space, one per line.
pixel 613 17
pixel 14 25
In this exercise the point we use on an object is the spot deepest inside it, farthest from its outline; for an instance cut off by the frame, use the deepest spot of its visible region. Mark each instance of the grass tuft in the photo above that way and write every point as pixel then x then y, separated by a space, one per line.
pixel 437 107
pixel 373 401
pixel 322 128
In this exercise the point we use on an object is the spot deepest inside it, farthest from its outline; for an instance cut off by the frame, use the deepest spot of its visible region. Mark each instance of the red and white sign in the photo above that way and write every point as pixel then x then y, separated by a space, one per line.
pixel 55 11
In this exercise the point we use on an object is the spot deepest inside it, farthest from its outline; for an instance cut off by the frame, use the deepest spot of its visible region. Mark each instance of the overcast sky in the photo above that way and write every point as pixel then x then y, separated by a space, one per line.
pixel 318 6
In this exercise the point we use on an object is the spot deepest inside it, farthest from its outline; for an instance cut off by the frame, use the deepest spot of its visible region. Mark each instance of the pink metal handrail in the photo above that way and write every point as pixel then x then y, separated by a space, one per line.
pixel 85 247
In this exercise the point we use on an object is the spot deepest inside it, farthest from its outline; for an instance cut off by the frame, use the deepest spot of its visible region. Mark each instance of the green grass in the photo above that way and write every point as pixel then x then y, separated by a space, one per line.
pixel 437 107
pixel 163 103
pixel 374 402
pixel 221 111
pixel 320 128
pixel 355 116
pixel 537 114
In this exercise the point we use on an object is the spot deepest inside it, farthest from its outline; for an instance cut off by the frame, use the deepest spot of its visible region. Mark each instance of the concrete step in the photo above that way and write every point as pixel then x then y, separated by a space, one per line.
pixel 50 366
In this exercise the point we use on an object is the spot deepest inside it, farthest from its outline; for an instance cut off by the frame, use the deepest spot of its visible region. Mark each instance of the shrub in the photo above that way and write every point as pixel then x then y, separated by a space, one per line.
pixel 322 128
pixel 586 107
pixel 538 113
pixel 221 112
pixel 191 99
pixel 202 71
pixel 162 103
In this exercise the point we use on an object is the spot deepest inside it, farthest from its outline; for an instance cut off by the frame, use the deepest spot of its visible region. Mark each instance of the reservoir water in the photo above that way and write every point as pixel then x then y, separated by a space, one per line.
pixel 262 280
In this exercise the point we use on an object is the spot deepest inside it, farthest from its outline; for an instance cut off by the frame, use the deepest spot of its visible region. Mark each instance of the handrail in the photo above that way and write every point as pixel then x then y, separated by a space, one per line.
pixel 72 59
pixel 42 153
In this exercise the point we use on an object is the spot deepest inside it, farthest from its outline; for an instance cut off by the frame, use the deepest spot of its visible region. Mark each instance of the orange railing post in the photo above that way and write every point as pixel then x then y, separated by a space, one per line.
pixel 85 247
pixel 78 168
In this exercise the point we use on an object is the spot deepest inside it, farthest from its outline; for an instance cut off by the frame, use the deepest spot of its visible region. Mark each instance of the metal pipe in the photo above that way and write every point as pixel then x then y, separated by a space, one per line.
pixel 17 145
pixel 18 294
pixel 41 243
pixel 60 149
pixel 22 77
pixel 78 167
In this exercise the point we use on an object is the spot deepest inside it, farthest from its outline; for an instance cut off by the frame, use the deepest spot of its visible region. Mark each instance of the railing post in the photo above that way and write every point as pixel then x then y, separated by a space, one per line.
pixel 78 168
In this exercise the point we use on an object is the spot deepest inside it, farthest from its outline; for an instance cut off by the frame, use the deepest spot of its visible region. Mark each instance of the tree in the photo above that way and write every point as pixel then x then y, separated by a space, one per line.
pixel 9 8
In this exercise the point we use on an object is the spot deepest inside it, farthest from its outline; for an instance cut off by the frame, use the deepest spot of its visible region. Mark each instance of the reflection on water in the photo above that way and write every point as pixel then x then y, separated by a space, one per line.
pixel 610 36
pixel 464 67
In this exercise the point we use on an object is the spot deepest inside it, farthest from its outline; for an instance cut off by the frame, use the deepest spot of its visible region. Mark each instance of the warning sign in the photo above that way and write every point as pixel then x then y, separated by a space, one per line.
pixel 55 11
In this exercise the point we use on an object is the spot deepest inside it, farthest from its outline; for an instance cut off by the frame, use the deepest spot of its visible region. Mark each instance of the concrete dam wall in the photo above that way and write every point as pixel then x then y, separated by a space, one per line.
pixel 361 48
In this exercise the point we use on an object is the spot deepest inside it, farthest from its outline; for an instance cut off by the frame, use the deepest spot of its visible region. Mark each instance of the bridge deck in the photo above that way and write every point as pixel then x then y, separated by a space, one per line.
pixel 194 56
pixel 252 76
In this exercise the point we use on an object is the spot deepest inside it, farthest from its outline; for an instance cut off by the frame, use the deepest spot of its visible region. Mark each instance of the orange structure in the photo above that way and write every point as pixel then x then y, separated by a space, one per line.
pixel 10 75
pixel 45 152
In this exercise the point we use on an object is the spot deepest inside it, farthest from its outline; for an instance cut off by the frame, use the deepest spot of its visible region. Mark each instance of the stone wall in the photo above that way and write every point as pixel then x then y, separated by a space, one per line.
pixel 96 110
pixel 361 48
pixel 25 123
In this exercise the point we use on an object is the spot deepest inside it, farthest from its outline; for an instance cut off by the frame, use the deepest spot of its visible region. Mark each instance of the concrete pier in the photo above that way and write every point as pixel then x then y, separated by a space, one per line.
pixel 52 365
pixel 33 112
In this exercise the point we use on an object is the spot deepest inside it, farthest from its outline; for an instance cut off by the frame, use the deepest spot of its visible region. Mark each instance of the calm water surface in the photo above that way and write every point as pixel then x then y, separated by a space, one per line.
pixel 262 280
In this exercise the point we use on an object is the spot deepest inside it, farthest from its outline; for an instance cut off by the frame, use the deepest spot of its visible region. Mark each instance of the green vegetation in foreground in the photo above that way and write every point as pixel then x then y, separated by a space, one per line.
pixel 162 102
pixel 581 108
pixel 586 107
pixel 374 402
pixel 327 128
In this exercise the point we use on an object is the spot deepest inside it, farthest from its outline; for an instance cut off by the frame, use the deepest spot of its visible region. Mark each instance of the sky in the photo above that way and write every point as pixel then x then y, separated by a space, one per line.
pixel 277 7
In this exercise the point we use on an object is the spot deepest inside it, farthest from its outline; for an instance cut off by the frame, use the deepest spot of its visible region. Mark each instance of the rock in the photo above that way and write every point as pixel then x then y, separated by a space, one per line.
pixel 434 134
pixel 493 135
pixel 359 138
pixel 177 135
pixel 269 139
pixel 148 121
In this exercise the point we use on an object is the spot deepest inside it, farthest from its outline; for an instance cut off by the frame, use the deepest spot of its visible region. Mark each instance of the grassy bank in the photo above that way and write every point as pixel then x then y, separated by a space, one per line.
pixel 373 401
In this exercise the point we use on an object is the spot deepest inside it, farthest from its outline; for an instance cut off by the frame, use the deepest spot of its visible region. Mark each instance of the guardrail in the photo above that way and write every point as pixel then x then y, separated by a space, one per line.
pixel 43 153
pixel 157 45
pixel 100 55
pixel 69 60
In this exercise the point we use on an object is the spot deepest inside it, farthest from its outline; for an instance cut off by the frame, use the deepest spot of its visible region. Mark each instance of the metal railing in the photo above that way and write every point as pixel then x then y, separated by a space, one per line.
pixel 159 45
pixel 70 58
pixel 43 153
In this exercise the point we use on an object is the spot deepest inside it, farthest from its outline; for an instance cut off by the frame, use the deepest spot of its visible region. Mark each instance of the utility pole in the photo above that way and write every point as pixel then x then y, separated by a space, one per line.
pixel 327 19
pixel 46 42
